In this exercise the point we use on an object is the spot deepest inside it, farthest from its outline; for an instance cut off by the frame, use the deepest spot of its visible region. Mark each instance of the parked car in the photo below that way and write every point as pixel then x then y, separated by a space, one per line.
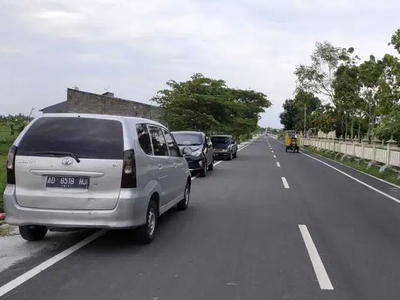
pixel 224 146
pixel 197 149
pixel 93 171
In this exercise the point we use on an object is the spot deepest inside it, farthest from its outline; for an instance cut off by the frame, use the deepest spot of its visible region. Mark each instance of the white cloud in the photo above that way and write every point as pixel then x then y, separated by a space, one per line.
pixel 136 46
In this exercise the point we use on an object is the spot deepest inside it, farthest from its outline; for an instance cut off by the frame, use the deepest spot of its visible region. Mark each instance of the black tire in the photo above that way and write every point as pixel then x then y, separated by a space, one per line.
pixel 145 233
pixel 32 233
pixel 230 156
pixel 203 172
pixel 184 203
pixel 235 154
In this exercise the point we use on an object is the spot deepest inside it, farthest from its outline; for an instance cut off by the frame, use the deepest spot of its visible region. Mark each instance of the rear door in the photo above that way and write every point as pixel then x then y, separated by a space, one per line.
pixel 165 172
pixel 179 163
pixel 70 163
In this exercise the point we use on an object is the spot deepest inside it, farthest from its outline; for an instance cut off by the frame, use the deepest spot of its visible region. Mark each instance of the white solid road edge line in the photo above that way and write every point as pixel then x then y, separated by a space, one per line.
pixel 322 276
pixel 278 164
pixel 48 263
pixel 355 179
pixel 285 183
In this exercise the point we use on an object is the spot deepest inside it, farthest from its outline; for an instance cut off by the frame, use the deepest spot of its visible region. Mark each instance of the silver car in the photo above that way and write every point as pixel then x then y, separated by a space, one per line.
pixel 93 171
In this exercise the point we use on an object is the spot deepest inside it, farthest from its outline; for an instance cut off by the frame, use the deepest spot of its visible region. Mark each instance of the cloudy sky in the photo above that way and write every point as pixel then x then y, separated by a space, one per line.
pixel 133 47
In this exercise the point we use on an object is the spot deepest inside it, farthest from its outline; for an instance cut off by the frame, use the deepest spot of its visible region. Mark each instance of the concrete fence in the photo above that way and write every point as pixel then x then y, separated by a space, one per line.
pixel 387 154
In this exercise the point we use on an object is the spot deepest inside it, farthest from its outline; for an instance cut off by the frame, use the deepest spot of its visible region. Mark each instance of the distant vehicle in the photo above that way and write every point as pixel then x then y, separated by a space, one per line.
pixel 197 149
pixel 93 171
pixel 224 146
pixel 292 142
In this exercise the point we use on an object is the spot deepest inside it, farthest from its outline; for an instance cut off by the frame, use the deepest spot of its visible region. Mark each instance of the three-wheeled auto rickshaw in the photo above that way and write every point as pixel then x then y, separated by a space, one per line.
pixel 292 142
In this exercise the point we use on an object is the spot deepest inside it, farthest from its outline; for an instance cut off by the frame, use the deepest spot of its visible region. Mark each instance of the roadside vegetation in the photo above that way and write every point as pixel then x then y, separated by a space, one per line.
pixel 388 175
pixel 10 127
pixel 209 105
pixel 338 91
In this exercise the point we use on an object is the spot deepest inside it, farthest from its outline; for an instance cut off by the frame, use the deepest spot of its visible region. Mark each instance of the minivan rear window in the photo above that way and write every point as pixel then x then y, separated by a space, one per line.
pixel 84 137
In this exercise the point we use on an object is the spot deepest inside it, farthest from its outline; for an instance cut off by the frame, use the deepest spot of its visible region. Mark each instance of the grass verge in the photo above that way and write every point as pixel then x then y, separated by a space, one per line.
pixel 6 141
pixel 387 175
pixel 7 230
pixel 3 160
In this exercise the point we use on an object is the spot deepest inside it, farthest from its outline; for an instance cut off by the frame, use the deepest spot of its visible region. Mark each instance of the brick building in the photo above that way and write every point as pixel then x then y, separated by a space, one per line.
pixel 84 102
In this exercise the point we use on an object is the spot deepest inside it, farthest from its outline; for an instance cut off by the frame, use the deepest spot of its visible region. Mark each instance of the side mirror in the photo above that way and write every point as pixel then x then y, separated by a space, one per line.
pixel 187 150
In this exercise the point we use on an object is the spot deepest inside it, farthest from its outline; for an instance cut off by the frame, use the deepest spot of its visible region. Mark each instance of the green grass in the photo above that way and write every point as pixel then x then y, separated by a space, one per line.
pixel 387 175
pixel 3 159
pixel 6 141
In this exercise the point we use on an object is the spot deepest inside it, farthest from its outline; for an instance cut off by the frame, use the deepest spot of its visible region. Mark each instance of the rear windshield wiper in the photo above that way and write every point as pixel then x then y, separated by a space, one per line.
pixel 73 155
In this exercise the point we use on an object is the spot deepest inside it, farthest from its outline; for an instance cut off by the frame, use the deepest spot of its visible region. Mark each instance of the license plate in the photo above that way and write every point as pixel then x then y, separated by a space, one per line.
pixel 68 182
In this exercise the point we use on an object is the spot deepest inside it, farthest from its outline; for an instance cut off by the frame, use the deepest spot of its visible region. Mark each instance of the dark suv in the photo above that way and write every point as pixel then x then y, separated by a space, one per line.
pixel 224 146
pixel 197 149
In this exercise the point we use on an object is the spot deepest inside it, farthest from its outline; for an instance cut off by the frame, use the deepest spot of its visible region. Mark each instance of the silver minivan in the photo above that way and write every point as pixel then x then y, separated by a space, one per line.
pixel 93 171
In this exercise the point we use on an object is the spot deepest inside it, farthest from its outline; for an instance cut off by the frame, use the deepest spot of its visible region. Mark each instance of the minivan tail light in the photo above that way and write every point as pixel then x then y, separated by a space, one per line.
pixel 11 165
pixel 129 170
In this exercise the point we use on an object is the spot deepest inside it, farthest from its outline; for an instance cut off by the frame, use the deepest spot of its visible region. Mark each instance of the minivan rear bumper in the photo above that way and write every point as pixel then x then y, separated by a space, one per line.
pixel 129 212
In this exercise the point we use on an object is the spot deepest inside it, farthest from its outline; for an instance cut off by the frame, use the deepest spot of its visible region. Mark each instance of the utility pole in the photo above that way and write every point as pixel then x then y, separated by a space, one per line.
pixel 305 118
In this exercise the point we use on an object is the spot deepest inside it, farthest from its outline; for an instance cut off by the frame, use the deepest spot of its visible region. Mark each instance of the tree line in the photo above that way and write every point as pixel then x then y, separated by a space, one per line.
pixel 209 105
pixel 338 91
pixel 14 124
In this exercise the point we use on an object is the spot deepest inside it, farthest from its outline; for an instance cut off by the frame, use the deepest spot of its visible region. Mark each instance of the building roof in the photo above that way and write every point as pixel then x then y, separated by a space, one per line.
pixel 56 108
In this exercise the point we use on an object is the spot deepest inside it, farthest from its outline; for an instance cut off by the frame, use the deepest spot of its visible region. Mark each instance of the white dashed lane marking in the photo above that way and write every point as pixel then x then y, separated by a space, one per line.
pixel 322 275
pixel 285 183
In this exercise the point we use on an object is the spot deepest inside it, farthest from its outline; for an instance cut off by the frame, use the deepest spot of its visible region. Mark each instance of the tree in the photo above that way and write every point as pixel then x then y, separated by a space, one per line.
pixel 292 117
pixel 209 105
pixel 15 123
pixel 365 94
pixel 306 103
pixel 371 73
pixel 346 86
pixel 319 76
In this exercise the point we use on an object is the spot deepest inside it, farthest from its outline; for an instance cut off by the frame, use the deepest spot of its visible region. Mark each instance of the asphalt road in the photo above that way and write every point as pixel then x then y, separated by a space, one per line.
pixel 267 225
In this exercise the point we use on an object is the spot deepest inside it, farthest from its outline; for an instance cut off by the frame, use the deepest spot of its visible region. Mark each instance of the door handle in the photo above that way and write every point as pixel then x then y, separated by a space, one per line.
pixel 159 166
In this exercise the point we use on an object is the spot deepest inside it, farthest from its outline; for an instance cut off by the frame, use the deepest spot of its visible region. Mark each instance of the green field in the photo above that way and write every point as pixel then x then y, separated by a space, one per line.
pixel 5 143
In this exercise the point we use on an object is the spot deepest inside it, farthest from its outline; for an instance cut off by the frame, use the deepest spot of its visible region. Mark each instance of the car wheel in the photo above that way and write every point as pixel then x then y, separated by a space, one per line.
pixel 184 203
pixel 235 154
pixel 203 172
pixel 146 232
pixel 211 166
pixel 230 156
pixel 32 233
